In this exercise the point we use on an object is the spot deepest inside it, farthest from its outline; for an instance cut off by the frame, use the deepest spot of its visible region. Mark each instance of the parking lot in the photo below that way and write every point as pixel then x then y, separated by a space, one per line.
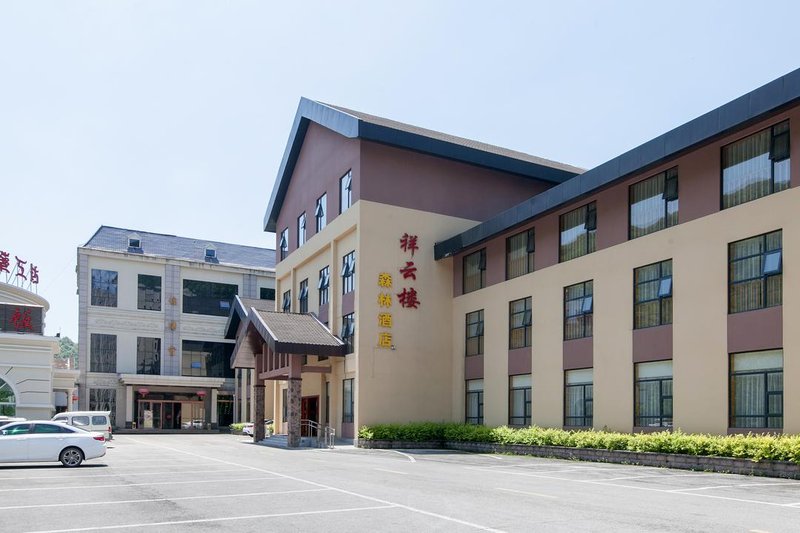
pixel 225 483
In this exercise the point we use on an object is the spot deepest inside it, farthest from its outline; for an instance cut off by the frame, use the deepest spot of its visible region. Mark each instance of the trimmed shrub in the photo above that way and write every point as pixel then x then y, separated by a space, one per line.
pixel 752 446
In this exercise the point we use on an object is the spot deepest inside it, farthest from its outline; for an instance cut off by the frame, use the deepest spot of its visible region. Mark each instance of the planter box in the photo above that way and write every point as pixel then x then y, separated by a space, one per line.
pixel 728 465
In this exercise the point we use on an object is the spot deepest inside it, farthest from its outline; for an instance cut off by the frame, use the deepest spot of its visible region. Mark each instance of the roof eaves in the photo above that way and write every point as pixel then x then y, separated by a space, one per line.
pixel 736 114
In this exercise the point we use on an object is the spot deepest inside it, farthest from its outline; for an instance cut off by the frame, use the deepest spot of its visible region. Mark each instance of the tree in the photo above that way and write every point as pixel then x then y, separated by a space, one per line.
pixel 68 353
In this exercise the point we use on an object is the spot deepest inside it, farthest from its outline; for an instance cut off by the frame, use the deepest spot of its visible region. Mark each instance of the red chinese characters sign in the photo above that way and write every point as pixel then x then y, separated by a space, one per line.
pixel 19 318
pixel 408 298
pixel 18 271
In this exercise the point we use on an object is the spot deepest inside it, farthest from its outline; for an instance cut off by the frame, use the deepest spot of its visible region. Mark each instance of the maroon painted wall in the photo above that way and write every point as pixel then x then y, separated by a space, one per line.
pixel 756 330
pixel 578 353
pixel 652 344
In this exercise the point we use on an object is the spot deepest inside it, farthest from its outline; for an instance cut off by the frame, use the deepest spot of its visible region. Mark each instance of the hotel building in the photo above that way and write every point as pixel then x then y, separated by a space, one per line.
pixel 473 283
pixel 152 316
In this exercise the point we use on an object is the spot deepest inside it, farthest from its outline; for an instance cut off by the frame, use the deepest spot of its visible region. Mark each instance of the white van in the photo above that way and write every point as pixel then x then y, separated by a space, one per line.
pixel 99 421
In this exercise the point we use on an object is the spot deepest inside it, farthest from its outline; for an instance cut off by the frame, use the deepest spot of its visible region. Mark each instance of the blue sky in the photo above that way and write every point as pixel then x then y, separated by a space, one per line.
pixel 173 116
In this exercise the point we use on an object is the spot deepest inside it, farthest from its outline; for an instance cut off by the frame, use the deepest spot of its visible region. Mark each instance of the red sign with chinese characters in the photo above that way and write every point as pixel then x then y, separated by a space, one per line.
pixel 18 272
pixel 20 318
pixel 408 296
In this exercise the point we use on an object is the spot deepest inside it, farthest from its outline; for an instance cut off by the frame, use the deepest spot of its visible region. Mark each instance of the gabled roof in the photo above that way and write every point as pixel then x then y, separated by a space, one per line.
pixel 296 333
pixel 754 106
pixel 354 124
pixel 241 309
pixel 113 239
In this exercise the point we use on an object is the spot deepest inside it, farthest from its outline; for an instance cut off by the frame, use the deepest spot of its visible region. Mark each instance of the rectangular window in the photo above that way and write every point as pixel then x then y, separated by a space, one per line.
pixel 519 400
pixel 104 400
pixel 301 230
pixel 756 166
pixel 755 272
pixel 283 244
pixel 327 402
pixel 349 331
pixel 578 397
pixel 519 323
pixel 756 390
pixel 520 249
pixel 103 353
pixel 267 293
pixel 284 404
pixel 149 296
pixel 208 298
pixel 349 272
pixel 474 275
pixel 348 401
pixel 323 285
pixel 148 355
pixel 302 298
pixel 578 232
pixel 346 191
pixel 104 287
pixel 206 359
pixel 652 295
pixel 578 310
pixel 286 305
pixel 474 339
pixel 474 402
pixel 654 203
pixel 320 212
pixel 652 396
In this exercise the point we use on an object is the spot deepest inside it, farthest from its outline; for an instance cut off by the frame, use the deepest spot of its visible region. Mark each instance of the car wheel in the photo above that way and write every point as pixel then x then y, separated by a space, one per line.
pixel 71 457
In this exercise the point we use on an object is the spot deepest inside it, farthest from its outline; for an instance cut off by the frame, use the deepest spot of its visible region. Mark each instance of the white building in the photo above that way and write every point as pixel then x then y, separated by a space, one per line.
pixel 30 387
pixel 152 315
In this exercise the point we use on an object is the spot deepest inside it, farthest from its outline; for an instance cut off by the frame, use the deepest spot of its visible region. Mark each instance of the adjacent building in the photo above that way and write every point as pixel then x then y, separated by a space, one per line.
pixel 473 283
pixel 152 316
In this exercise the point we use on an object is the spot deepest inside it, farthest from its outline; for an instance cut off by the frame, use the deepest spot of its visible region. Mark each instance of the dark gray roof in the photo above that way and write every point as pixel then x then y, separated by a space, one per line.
pixel 172 247
pixel 754 106
pixel 240 310
pixel 354 124
pixel 296 333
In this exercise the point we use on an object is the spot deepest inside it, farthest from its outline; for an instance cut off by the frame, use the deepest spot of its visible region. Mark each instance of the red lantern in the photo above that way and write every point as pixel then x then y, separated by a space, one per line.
pixel 143 391
pixel 201 394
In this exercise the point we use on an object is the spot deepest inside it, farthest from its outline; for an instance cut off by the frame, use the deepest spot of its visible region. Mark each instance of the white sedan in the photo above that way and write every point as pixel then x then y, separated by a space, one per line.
pixel 41 440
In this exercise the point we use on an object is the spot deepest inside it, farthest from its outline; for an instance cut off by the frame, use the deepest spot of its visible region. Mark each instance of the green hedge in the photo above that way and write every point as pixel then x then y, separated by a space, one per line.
pixel 236 427
pixel 751 446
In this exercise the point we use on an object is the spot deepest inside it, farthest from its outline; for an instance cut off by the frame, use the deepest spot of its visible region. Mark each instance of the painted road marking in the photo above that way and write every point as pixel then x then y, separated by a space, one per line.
pixel 66 477
pixel 70 487
pixel 391 471
pixel 407 456
pixel 180 498
pixel 527 493
pixel 210 520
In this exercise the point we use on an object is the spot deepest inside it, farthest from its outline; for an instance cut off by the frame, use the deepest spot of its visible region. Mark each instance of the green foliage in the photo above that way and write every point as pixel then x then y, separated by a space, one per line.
pixel 236 427
pixel 67 353
pixel 751 446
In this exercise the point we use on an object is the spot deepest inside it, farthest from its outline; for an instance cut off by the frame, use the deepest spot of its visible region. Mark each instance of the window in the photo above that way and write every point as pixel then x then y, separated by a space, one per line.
pixel 578 310
pixel 103 400
pixel 348 401
pixel 578 232
pixel 474 402
pixel 519 254
pixel 267 293
pixel 148 355
pixel 346 191
pixel 149 296
pixel 475 271
pixel 323 284
pixel 654 203
pixel 206 359
pixel 284 404
pixel 652 395
pixel 104 287
pixel 756 390
pixel 474 340
pixel 303 296
pixel 327 402
pixel 210 252
pixel 8 403
pixel 519 400
pixel 652 295
pixel 348 331
pixel 283 244
pixel 103 353
pixel 320 212
pixel 50 428
pixel 756 166
pixel 755 272
pixel 286 306
pixel 349 272
pixel 301 230
pixel 519 323
pixel 208 298
pixel 578 394
pixel 134 242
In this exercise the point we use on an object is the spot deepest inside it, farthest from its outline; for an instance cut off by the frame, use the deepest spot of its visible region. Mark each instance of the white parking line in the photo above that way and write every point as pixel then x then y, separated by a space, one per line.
pixel 68 487
pixel 740 485
pixel 527 493
pixel 343 491
pixel 30 478
pixel 181 498
pixel 209 520
pixel 391 471
pixel 407 456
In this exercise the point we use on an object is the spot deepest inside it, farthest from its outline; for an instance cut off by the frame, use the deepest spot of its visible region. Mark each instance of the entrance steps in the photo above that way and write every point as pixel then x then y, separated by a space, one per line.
pixel 279 440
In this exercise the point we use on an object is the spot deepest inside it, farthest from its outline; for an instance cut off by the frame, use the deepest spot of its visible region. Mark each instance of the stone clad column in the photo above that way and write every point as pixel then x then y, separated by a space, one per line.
pixel 129 406
pixel 294 397
pixel 214 409
pixel 243 396
pixel 258 422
